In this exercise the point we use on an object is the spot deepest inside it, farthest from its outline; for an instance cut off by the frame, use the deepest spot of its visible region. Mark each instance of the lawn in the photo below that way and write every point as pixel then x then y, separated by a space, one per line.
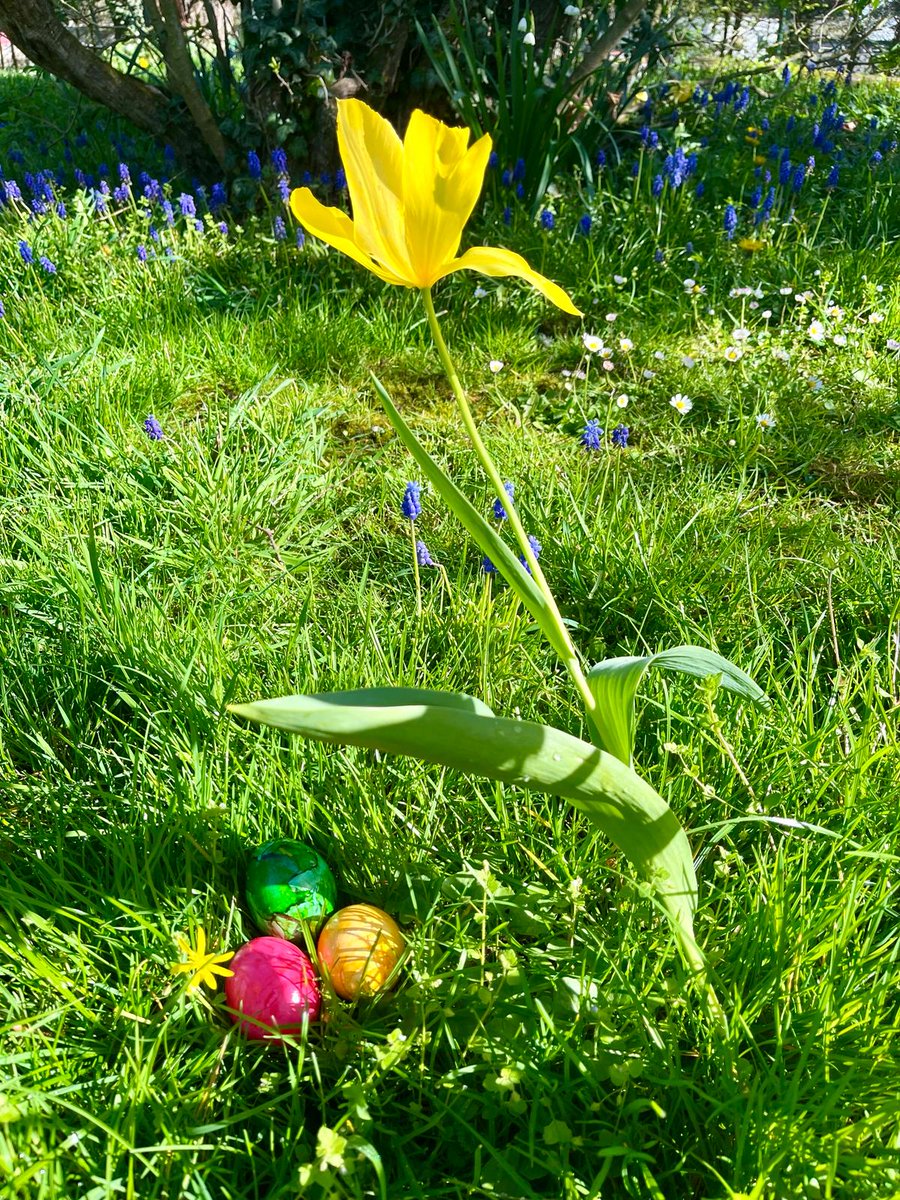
pixel 542 1039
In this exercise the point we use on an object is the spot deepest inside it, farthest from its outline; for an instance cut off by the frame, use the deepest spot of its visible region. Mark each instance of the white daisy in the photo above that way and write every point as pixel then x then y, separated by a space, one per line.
pixel 733 353
pixel 495 366
pixel 592 343
pixel 681 403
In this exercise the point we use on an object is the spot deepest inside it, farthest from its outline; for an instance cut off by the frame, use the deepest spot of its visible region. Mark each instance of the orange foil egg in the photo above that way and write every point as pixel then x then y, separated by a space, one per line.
pixel 359 947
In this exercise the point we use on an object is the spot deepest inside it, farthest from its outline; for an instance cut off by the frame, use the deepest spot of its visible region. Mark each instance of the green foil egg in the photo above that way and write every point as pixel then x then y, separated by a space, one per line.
pixel 289 884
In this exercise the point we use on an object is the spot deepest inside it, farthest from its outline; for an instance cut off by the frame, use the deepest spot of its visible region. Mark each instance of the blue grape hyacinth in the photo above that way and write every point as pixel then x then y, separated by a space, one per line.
pixel 591 435
pixel 423 558
pixel 536 548
pixel 499 511
pixel 411 504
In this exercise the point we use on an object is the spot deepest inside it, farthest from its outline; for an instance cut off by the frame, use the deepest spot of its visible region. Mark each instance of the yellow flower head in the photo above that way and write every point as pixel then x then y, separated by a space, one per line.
pixel 202 967
pixel 750 244
pixel 411 201
pixel 753 135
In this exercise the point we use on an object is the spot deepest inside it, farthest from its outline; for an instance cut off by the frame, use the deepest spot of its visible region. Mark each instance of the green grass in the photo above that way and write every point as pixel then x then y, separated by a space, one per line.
pixel 541 1041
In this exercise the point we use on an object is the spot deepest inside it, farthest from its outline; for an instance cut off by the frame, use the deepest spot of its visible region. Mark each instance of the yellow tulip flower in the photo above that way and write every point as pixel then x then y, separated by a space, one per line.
pixel 411 201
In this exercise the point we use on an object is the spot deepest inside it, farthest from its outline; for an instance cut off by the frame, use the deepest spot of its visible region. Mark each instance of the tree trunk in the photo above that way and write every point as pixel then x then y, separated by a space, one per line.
pixel 180 73
pixel 623 20
pixel 32 26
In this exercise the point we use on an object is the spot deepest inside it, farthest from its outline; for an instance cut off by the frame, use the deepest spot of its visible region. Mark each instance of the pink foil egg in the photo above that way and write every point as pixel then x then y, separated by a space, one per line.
pixel 273 988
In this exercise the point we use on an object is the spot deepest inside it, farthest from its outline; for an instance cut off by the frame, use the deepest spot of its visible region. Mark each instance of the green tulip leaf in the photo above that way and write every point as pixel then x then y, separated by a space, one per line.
pixel 393 697
pixel 614 683
pixel 488 540
pixel 624 806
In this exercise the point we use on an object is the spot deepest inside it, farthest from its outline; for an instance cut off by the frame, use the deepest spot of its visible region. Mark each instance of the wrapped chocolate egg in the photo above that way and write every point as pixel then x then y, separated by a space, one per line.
pixel 359 947
pixel 272 988
pixel 288 884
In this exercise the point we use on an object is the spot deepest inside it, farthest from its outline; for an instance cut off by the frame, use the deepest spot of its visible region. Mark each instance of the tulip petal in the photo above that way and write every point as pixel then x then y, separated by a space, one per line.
pixel 491 260
pixel 442 180
pixel 333 226
pixel 372 155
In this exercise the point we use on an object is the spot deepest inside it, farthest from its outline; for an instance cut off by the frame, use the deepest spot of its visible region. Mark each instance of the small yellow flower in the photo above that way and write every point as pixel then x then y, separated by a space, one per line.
pixel 750 244
pixel 202 967
pixel 411 201
pixel 759 159
pixel 753 135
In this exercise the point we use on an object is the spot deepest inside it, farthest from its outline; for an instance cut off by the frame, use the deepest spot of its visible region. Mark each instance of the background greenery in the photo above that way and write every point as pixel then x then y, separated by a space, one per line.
pixel 540 1042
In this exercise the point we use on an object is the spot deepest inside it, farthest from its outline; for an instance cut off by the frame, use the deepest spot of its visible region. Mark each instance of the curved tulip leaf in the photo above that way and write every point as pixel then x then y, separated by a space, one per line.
pixel 488 540
pixel 615 682
pixel 393 697
pixel 624 806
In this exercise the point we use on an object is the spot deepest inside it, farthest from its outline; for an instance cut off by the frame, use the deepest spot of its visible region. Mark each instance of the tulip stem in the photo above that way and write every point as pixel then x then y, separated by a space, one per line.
pixel 570 659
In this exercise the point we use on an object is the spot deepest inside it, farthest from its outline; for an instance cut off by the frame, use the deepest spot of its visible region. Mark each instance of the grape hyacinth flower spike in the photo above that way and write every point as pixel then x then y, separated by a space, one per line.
pixel 411 508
